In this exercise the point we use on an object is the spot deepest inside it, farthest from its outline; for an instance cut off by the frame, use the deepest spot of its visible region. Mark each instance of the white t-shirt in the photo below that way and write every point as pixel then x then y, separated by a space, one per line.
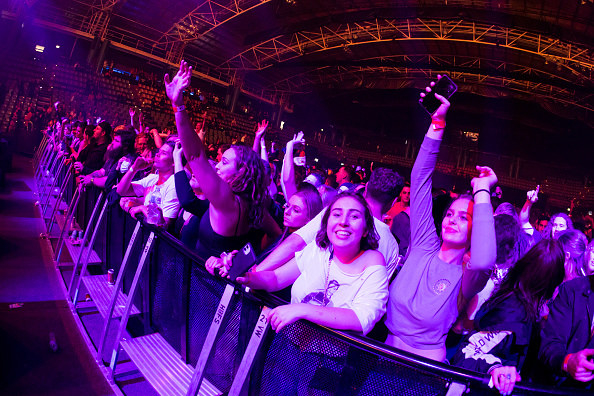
pixel 388 246
pixel 169 201
pixel 365 293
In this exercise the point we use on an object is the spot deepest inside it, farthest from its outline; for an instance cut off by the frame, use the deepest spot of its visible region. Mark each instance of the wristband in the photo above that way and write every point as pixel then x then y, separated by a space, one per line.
pixel 565 361
pixel 178 109
pixel 482 189
pixel 438 124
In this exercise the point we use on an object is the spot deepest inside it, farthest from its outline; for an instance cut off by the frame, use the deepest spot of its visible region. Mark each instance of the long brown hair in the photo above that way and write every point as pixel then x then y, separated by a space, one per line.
pixel 534 278
pixel 250 183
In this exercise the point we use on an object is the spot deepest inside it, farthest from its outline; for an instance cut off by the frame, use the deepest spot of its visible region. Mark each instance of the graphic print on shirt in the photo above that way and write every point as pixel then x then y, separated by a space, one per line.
pixel 322 297
pixel 441 285
pixel 481 343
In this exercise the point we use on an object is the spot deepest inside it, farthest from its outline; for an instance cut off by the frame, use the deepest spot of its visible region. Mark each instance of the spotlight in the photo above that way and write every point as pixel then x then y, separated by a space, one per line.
pixel 58 46
pixel 39 48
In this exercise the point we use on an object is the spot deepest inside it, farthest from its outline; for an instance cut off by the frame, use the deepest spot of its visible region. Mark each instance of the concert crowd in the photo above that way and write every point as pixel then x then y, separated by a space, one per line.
pixel 465 278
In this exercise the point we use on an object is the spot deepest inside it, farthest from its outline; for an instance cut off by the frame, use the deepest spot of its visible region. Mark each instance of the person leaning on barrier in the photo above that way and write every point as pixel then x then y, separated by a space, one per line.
pixel 567 346
pixel 236 189
pixel 121 145
pixel 425 295
pixel 91 158
pixel 340 280
pixel 304 205
pixel 162 181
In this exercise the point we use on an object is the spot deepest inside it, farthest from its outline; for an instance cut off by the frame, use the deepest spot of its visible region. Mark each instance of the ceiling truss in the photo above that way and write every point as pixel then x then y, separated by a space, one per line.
pixel 285 48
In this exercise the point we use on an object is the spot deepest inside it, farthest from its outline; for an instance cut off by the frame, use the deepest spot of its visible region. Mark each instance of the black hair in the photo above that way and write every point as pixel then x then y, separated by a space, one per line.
pixel 534 278
pixel 384 186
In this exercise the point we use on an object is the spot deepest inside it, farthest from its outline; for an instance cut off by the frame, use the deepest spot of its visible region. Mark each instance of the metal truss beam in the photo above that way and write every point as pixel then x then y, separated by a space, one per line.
pixel 97 21
pixel 578 59
pixel 207 16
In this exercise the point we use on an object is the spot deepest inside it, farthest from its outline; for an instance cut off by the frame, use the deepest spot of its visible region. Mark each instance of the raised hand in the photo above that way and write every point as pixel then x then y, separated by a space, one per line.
pixel 532 195
pixel 175 88
pixel 442 110
pixel 131 111
pixel 297 139
pixel 78 166
pixel 178 152
pixel 262 127
pixel 485 180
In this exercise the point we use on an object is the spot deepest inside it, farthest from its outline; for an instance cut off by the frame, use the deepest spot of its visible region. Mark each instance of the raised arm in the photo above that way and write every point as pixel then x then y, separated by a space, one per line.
pixel 157 137
pixel 422 227
pixel 259 135
pixel 124 187
pixel 263 152
pixel 531 198
pixel 131 111
pixel 288 168
pixel 482 240
pixel 215 189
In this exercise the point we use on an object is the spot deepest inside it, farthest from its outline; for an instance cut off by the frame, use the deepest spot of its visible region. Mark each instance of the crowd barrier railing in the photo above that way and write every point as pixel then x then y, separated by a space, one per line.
pixel 189 332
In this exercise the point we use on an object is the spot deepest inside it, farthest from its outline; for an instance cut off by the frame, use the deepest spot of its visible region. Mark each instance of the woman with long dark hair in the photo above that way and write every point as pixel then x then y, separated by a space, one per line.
pixel 303 206
pixel 504 323
pixel 236 189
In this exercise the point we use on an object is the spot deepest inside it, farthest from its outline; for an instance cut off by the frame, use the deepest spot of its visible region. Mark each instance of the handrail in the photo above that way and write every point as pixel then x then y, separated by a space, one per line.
pixel 457 374
pixel 443 371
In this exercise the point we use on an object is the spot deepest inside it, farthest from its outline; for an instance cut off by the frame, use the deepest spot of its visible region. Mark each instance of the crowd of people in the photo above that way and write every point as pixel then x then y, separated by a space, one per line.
pixel 360 250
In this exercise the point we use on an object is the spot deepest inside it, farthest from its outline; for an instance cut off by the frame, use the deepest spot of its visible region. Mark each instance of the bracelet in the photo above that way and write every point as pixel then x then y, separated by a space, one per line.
pixel 482 189
pixel 178 109
pixel 565 361
pixel 438 124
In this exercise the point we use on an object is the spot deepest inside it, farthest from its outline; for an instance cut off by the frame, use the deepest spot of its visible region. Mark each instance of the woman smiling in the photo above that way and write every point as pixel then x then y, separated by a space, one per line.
pixel 340 281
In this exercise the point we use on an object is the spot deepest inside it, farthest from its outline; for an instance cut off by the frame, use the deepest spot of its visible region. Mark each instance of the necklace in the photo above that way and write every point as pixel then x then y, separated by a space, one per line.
pixel 326 299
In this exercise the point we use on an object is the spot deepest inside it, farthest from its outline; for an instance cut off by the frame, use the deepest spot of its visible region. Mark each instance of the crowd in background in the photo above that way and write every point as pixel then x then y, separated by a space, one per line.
pixel 463 277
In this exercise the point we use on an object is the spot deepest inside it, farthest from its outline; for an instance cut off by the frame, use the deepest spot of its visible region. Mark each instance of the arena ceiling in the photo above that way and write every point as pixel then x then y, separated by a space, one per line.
pixel 532 50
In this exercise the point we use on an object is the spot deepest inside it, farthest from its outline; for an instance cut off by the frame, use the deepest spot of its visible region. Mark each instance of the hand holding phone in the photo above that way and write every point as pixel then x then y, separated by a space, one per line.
pixel 444 87
pixel 242 262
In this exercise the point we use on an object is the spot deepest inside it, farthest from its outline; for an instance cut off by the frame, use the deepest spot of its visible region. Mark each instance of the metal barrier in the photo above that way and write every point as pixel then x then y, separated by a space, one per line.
pixel 204 334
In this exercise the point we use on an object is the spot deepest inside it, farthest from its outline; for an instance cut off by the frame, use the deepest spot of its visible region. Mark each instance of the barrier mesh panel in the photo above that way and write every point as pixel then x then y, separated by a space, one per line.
pixel 230 346
pixel 303 360
pixel 205 295
pixel 166 291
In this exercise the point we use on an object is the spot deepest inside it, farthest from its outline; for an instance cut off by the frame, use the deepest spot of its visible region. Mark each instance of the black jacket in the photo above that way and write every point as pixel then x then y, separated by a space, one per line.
pixel 501 339
pixel 568 328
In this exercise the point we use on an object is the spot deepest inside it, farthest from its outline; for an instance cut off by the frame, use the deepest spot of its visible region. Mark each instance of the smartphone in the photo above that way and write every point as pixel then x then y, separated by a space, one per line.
pixel 444 87
pixel 242 262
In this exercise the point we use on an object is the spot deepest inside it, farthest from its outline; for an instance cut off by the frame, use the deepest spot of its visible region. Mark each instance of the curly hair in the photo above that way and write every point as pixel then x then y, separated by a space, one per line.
pixel 250 183
pixel 548 231
pixel 368 242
